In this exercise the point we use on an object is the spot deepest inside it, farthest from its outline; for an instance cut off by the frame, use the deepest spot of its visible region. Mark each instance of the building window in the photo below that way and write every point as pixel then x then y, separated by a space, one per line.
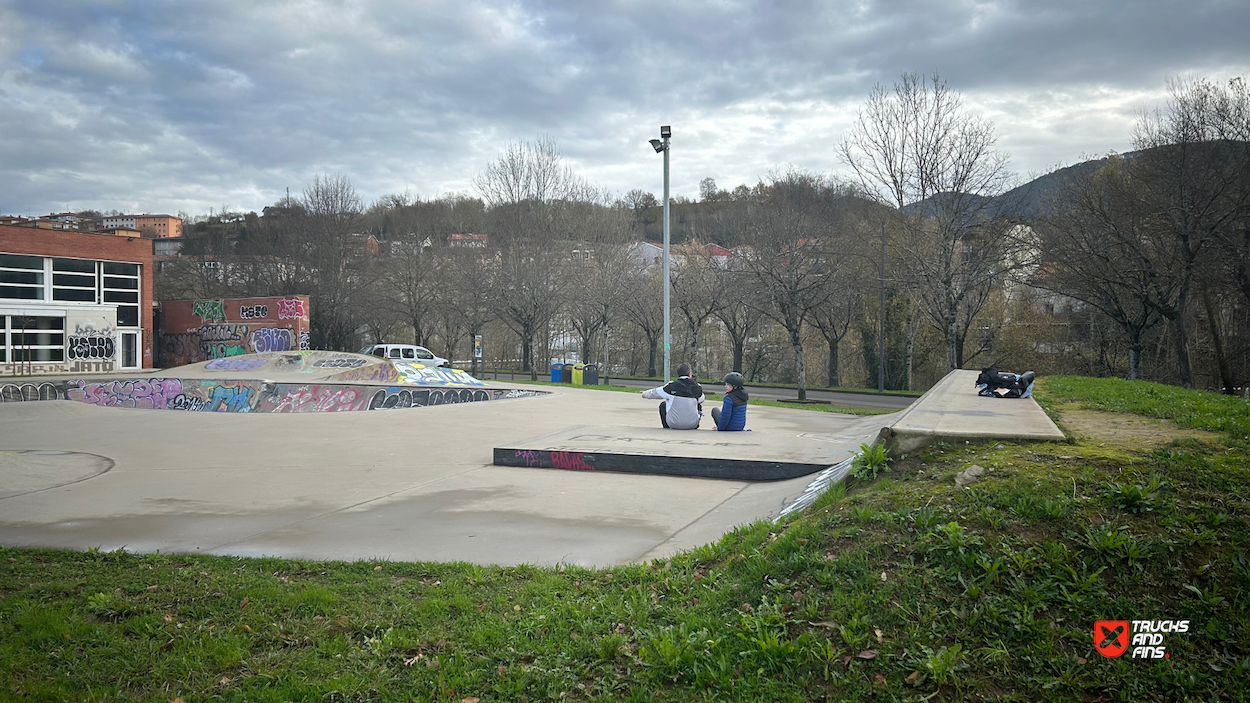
pixel 36 338
pixel 74 280
pixel 21 277
pixel 121 287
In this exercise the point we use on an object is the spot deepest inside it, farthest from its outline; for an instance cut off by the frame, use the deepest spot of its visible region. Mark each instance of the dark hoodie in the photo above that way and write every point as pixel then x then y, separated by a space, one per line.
pixel 733 413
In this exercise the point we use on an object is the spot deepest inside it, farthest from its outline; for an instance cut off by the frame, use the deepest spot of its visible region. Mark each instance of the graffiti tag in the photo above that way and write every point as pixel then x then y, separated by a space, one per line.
pixel 16 393
pixel 251 312
pixel 230 399
pixel 210 310
pixel 90 347
pixel 291 309
pixel 304 340
pixel 570 460
pixel 345 363
pixel 272 339
pixel 235 364
pixel 152 393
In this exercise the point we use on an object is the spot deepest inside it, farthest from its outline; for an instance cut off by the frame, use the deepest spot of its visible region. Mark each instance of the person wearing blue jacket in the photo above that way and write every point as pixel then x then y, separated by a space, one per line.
pixel 732 415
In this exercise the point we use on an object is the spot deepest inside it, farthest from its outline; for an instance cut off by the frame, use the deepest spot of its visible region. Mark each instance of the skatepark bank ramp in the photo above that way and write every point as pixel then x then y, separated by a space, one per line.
pixel 273 382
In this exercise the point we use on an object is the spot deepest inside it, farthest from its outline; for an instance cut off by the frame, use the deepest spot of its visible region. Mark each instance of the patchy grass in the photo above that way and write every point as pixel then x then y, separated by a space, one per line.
pixel 1198 410
pixel 900 588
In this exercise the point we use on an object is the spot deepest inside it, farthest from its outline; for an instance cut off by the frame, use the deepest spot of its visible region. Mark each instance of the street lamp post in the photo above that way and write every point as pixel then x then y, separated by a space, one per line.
pixel 661 145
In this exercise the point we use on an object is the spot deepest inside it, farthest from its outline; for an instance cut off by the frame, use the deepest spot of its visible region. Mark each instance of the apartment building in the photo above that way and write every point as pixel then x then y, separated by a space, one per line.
pixel 159 226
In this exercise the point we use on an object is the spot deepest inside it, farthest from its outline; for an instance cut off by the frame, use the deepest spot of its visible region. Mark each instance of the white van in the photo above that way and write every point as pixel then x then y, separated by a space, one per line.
pixel 406 352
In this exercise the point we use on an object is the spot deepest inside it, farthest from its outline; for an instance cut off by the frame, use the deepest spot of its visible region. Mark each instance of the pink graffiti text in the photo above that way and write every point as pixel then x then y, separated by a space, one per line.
pixel 570 460
pixel 320 399
pixel 152 393
pixel 292 309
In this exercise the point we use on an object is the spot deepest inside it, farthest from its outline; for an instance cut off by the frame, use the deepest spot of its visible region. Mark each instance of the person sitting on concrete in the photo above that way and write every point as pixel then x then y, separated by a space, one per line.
pixel 732 415
pixel 683 401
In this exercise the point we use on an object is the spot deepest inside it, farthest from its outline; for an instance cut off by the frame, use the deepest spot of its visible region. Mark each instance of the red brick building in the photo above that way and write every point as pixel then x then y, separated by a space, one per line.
pixel 74 301
pixel 199 330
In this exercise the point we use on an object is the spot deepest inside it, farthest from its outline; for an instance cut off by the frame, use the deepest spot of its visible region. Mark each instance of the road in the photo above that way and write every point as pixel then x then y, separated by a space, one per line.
pixel 840 398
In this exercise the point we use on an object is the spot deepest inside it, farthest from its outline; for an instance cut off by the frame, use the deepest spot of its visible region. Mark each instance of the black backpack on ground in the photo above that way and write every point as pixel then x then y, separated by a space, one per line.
pixel 994 384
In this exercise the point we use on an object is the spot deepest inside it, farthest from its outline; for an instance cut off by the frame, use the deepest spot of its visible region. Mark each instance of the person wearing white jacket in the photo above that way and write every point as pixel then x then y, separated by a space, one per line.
pixel 683 401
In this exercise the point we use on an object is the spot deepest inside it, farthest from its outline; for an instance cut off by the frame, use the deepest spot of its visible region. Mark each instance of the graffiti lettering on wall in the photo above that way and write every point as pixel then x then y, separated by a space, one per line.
pixel 319 399
pixel 221 351
pixel 389 398
pixel 187 402
pixel 251 312
pixel 272 339
pixel 291 309
pixel 152 393
pixel 230 399
pixel 572 461
pixel 223 333
pixel 436 376
pixel 346 362
pixel 16 393
pixel 382 372
pixel 95 348
pixel 305 340
pixel 180 346
pixel 210 310
pixel 235 364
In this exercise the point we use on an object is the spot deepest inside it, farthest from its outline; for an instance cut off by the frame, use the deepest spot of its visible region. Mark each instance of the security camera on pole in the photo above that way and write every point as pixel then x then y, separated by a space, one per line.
pixel 662 146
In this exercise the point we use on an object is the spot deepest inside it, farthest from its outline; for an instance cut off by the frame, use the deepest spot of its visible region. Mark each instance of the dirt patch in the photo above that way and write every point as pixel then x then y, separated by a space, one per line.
pixel 1121 428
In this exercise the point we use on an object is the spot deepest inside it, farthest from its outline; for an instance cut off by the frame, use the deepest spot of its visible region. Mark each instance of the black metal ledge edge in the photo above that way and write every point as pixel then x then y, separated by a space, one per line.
pixel 701 467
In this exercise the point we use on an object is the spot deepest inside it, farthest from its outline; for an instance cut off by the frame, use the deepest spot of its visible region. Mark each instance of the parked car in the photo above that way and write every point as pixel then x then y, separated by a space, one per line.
pixel 406 352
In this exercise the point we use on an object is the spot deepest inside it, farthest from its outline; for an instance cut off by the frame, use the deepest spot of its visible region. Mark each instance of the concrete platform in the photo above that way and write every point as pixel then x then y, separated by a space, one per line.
pixel 741 456
pixel 952 409
pixel 411 486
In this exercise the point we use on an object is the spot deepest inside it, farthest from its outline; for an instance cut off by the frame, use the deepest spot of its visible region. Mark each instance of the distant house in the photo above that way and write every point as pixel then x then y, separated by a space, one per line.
pixel 160 226
pixel 468 240
pixel 646 254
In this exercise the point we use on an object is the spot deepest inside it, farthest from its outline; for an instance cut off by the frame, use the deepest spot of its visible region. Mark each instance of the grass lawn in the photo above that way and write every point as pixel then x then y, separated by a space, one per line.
pixel 717 398
pixel 900 588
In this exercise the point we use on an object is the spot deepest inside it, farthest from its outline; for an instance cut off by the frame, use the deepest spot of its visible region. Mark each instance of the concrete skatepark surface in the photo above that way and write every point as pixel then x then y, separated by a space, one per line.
pixel 411 486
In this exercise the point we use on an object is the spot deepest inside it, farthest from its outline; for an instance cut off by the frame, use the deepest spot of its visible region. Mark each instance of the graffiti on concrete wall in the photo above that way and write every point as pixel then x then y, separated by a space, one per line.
pixel 292 309
pixel 272 339
pixel 201 330
pixel 230 399
pixel 90 344
pixel 319 399
pixel 18 392
pixel 436 376
pixel 210 310
pixel 151 393
pixel 390 398
pixel 235 364
pixel 547 459
pixel 382 373
pixel 345 362
pixel 305 340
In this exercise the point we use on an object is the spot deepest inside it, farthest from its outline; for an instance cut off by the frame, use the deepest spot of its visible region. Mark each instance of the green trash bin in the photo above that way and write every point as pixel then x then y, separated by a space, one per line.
pixel 578 371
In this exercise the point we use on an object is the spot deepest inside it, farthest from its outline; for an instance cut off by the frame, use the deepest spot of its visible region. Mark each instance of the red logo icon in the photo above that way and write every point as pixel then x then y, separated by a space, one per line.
pixel 1111 637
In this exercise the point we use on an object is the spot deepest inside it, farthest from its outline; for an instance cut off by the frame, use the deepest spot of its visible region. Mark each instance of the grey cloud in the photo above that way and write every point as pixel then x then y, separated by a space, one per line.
pixel 188 105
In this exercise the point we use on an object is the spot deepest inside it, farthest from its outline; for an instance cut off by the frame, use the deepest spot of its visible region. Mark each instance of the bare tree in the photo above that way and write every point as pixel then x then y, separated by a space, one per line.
pixel 1100 248
pixel 644 307
pixel 791 234
pixel 695 289
pixel 1194 180
pixel 738 312
pixel 915 149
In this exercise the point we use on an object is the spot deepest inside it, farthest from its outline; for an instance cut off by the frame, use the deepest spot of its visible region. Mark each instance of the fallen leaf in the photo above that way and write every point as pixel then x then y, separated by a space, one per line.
pixel 470 699
pixel 826 623
pixel 883 577
pixel 243 603
pixel 224 680
pixel 377 568
pixel 797 595
pixel 12 560
pixel 177 700
pixel 245 627
pixel 746 607
pixel 574 636
pixel 151 589
pixel 1080 660
pixel 481 607
pixel 879 678
pixel 801 540
pixel 912 678
pixel 117 591
pixel 867 654
pixel 67 635
pixel 516 608
pixel 169 618
pixel 167 646
pixel 502 669
pixel 218 594
pixel 879 638
pixel 433 664
pixel 846 660
pixel 413 660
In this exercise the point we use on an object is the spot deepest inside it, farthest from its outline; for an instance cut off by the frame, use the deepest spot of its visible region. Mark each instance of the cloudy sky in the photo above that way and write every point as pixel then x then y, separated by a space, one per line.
pixel 187 105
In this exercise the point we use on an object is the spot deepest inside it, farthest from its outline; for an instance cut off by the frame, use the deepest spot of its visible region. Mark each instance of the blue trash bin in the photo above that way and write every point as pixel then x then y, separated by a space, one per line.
pixel 555 372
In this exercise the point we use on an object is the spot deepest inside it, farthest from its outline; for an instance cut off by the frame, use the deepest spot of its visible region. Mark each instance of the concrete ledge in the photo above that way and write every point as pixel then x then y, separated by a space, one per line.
pixel 951 409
